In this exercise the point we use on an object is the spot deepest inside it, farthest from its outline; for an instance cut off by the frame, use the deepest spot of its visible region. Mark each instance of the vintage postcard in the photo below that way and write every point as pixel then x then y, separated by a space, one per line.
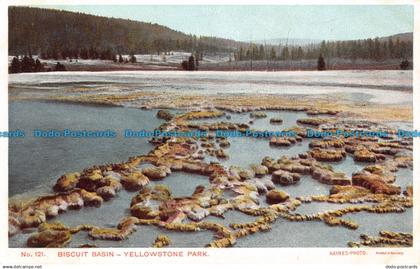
pixel 161 132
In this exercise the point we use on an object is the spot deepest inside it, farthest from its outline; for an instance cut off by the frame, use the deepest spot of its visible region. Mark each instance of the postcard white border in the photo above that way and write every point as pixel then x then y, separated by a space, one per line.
pixel 247 257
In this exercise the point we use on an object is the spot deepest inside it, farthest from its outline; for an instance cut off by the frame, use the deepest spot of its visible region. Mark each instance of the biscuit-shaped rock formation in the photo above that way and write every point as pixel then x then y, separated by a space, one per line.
pixel 276 196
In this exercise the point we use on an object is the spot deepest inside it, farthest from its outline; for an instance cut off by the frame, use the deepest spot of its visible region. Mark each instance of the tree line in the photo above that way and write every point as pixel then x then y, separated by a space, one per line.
pixel 372 49
pixel 27 64
pixel 54 34
pixel 87 54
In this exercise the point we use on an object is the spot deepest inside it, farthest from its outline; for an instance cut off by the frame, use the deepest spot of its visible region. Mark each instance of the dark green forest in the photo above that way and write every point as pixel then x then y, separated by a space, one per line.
pixel 55 34
pixel 61 34
pixel 377 49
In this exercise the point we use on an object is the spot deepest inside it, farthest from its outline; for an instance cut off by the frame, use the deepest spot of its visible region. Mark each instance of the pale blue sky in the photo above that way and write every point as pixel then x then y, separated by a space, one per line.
pixel 267 22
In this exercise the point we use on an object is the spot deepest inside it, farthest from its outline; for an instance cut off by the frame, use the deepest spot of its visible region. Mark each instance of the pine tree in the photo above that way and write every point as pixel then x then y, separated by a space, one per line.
pixel 321 63
pixel 15 66
pixel 261 53
pixel 300 53
pixel 273 54
pixel 26 64
pixel 197 56
pixel 241 54
pixel 38 66
pixel 191 63
pixel 285 53
pixel 59 67
pixel 184 65
pixel 391 47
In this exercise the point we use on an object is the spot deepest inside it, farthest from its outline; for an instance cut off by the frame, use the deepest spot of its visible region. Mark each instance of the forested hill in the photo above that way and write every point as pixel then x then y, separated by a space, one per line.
pixel 48 31
pixel 55 34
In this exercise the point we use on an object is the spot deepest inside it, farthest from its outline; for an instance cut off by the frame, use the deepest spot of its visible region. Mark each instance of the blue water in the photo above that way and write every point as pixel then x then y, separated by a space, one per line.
pixel 36 163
